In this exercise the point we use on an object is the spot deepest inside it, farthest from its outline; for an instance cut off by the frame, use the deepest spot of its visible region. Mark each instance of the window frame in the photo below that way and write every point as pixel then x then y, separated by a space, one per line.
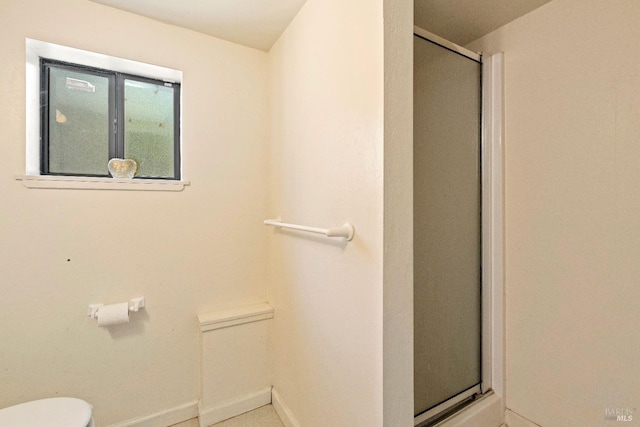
pixel 32 177
pixel 116 113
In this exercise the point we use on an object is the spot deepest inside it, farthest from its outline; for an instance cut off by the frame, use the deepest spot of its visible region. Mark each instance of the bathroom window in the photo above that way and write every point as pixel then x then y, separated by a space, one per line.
pixel 89 115
pixel 84 108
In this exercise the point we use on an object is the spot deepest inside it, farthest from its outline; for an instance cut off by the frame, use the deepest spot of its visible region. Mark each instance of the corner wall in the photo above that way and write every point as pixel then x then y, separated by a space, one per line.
pixel 572 170
pixel 202 249
pixel 398 215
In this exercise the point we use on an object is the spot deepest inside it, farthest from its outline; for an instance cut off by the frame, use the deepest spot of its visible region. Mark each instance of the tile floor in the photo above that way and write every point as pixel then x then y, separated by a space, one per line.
pixel 264 416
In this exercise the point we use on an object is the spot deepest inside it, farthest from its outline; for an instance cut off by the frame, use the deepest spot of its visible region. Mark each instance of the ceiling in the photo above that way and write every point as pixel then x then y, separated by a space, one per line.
pixel 463 21
pixel 259 23
pixel 253 23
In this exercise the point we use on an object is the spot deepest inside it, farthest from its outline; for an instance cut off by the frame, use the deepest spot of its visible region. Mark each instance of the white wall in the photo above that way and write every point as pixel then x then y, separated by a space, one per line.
pixel 339 119
pixel 200 249
pixel 572 248
pixel 326 168
pixel 398 215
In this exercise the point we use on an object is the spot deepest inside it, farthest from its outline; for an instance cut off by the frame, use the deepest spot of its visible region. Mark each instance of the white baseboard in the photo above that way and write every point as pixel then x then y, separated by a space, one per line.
pixel 515 420
pixel 164 418
pixel 234 407
pixel 283 410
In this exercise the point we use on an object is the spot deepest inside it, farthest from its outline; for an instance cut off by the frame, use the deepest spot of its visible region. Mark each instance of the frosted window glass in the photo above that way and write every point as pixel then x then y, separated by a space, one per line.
pixel 78 123
pixel 149 128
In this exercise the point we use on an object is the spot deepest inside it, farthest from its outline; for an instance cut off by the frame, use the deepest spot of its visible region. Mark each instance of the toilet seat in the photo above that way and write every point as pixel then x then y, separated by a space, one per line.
pixel 52 412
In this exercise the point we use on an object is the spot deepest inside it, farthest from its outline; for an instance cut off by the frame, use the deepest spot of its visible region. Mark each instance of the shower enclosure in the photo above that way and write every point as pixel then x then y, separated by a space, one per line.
pixel 452 354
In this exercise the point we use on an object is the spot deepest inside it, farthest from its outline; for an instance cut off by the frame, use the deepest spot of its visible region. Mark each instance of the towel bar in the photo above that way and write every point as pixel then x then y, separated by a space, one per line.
pixel 346 230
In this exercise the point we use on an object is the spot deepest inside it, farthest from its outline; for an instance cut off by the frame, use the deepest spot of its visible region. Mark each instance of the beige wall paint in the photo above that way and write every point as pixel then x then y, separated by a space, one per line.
pixel 204 248
pixel 572 201
pixel 200 249
pixel 398 215
pixel 326 168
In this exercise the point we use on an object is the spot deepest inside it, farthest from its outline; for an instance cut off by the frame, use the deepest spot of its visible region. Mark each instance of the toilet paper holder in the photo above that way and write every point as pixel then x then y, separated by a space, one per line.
pixel 135 304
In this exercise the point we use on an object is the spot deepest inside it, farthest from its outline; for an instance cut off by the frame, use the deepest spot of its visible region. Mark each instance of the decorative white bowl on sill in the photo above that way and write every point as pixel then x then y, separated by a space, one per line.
pixel 122 168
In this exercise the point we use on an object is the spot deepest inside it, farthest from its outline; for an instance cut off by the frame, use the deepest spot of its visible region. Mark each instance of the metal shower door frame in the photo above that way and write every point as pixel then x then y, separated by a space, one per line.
pixel 492 227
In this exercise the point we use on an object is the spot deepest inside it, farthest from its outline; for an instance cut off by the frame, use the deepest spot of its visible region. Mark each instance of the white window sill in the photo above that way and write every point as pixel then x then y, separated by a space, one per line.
pixel 92 183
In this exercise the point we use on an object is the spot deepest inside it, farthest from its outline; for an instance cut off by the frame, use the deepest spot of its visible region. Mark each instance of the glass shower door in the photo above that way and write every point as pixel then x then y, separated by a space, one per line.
pixel 447 228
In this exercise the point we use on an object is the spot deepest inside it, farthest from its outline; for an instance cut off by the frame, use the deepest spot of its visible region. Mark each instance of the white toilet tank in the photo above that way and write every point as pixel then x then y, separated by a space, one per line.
pixel 52 412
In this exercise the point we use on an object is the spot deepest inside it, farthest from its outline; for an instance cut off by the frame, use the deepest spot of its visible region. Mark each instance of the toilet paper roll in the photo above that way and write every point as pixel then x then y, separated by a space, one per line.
pixel 114 314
